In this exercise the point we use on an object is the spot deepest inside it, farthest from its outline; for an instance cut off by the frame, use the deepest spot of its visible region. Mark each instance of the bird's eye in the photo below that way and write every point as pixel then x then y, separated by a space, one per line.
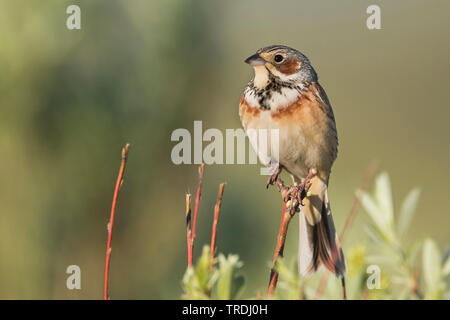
pixel 278 58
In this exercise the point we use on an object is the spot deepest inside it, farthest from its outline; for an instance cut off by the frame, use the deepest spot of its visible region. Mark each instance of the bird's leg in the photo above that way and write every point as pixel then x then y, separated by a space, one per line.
pixel 275 169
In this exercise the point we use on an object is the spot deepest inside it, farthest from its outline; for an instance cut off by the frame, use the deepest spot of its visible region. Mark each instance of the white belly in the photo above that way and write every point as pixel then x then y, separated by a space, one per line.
pixel 278 144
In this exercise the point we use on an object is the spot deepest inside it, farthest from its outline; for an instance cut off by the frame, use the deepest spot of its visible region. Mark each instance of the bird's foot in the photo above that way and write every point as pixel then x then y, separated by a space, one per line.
pixel 295 194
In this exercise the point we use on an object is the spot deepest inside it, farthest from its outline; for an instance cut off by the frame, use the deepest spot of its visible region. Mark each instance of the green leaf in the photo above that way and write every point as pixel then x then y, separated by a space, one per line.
pixel 377 236
pixel 373 233
pixel 288 278
pixel 198 281
pixel 432 270
pixel 202 269
pixel 446 268
pixel 191 289
pixel 371 208
pixel 412 252
pixel 237 287
pixel 383 197
pixel 282 269
pixel 381 226
pixel 356 258
pixel 407 210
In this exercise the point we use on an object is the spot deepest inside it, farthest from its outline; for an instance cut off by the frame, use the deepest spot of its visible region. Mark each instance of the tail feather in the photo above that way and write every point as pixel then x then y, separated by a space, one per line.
pixel 319 243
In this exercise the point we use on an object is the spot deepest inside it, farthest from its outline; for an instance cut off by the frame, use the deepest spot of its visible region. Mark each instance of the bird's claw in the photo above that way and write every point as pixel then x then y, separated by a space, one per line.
pixel 295 194
pixel 276 169
pixel 272 179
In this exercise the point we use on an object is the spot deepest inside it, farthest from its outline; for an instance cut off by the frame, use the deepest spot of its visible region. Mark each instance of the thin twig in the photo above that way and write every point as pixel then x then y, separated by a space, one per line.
pixel 197 201
pixel 285 219
pixel 214 227
pixel 188 229
pixel 289 209
pixel 110 225
pixel 368 177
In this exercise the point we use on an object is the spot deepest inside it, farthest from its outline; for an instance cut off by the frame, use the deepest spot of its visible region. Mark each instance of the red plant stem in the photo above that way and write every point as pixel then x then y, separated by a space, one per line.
pixel 214 227
pixel 368 177
pixel 197 201
pixel 188 229
pixel 110 225
pixel 286 217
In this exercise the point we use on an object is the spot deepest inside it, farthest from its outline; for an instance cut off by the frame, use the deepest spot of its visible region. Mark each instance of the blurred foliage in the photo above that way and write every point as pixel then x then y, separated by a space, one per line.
pixel 401 276
pixel 223 282
pixel 139 69
pixel 198 281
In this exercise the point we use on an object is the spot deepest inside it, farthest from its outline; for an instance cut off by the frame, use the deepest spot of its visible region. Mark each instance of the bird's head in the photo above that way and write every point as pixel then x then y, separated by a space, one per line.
pixel 283 63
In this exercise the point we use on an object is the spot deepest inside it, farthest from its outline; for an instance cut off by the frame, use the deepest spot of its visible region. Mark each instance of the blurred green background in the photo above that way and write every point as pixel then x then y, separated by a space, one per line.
pixel 137 70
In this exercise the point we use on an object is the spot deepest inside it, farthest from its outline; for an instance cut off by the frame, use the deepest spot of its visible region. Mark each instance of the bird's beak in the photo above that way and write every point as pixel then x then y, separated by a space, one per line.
pixel 255 60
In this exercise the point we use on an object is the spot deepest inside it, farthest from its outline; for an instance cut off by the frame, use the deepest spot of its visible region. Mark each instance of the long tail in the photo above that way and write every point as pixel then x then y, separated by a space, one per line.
pixel 319 243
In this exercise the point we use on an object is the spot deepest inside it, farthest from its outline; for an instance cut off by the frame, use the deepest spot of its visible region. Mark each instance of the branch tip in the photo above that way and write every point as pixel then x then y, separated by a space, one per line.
pixel 214 227
pixel 125 151
pixel 110 224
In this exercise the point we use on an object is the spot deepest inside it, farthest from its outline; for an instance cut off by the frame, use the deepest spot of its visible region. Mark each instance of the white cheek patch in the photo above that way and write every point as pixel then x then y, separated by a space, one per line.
pixel 274 99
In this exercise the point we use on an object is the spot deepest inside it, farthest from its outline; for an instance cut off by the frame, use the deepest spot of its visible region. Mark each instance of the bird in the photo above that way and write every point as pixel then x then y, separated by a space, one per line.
pixel 285 95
